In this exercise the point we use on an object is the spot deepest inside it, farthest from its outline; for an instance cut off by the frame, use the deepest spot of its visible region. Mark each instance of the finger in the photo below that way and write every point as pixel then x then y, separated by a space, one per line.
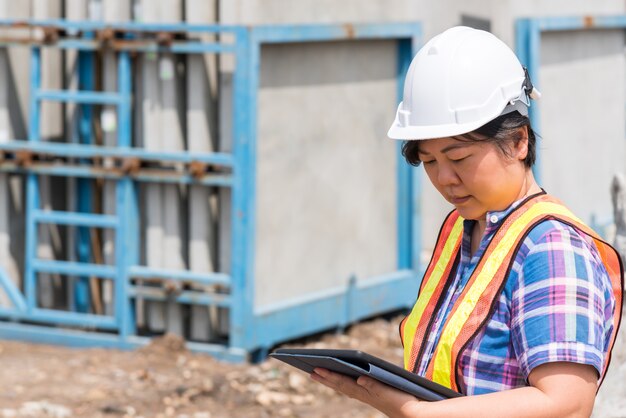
pixel 334 379
pixel 318 378
pixel 376 388
pixel 339 382
pixel 367 390
pixel 324 377
pixel 369 384
pixel 331 377
pixel 378 391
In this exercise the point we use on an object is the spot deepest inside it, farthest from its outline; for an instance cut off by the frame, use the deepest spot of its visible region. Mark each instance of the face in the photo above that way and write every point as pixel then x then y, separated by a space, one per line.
pixel 476 177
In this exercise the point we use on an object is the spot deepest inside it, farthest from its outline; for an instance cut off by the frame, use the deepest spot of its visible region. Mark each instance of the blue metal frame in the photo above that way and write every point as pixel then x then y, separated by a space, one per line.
pixel 86 83
pixel 528 48
pixel 334 307
pixel 249 329
pixel 32 186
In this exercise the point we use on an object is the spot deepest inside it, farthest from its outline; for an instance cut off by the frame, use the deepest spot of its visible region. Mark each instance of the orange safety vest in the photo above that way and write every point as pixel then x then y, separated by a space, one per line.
pixel 475 305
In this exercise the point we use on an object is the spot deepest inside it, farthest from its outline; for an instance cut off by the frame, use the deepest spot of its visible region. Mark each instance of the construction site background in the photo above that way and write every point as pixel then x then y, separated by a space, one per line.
pixel 330 228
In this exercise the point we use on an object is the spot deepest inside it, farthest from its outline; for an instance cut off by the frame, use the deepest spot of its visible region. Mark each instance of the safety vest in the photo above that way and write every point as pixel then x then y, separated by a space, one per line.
pixel 476 304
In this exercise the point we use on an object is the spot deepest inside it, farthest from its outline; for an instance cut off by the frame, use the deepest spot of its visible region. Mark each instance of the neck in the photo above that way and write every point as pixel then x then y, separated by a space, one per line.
pixel 527 188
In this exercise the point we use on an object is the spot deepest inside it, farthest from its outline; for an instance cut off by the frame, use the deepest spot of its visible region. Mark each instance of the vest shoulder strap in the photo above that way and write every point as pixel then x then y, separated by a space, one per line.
pixel 414 327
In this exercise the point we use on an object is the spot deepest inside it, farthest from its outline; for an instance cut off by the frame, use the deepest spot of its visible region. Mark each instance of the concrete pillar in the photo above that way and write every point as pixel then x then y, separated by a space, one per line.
pixel 152 140
pixel 201 137
pixel 228 14
pixel 51 127
pixel 7 260
pixel 162 130
pixel 172 131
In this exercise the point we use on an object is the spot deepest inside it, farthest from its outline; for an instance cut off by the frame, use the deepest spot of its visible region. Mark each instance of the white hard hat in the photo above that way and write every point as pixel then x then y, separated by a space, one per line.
pixel 460 80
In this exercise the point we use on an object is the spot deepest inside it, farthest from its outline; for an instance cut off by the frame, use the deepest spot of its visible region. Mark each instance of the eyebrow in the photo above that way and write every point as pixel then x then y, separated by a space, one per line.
pixel 446 149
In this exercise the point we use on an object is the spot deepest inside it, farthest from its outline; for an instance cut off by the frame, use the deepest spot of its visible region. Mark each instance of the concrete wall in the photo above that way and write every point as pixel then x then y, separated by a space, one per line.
pixel 318 11
pixel 326 173
pixel 434 16
pixel 582 118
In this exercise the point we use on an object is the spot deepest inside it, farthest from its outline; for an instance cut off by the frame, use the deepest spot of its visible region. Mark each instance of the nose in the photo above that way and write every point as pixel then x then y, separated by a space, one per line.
pixel 446 175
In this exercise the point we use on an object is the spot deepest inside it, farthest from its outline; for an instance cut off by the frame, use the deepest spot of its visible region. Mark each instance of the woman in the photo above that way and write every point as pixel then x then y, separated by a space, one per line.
pixel 520 304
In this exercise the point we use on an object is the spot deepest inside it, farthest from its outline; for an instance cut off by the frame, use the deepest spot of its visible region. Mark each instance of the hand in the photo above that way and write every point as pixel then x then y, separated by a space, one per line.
pixel 390 401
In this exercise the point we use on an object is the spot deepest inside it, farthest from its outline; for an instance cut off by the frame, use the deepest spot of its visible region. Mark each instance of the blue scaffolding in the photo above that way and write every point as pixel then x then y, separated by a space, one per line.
pixel 249 331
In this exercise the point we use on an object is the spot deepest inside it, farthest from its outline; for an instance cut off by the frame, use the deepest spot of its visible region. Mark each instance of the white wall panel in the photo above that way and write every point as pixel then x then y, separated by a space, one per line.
pixel 326 172
pixel 582 118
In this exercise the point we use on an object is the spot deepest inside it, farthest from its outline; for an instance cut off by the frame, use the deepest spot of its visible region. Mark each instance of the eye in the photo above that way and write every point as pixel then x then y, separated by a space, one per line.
pixel 428 162
pixel 458 160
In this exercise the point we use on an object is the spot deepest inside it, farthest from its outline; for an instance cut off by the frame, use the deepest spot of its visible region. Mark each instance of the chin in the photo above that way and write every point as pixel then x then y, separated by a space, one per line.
pixel 468 213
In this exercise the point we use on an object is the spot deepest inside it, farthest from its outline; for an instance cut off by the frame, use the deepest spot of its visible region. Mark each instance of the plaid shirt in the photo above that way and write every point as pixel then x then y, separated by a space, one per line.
pixel 557 305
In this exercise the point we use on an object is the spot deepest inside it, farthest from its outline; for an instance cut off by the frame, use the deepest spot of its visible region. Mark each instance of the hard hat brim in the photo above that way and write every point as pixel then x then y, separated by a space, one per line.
pixel 433 131
pixel 397 131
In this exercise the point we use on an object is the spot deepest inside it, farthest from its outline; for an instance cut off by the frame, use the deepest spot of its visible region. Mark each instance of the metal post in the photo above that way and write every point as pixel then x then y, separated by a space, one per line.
pixel 114 11
pixel 527 48
pixel 74 10
pixel 32 185
pixel 404 177
pixel 534 61
pixel 84 187
pixel 124 109
pixel 243 193
pixel 127 236
pixel 407 51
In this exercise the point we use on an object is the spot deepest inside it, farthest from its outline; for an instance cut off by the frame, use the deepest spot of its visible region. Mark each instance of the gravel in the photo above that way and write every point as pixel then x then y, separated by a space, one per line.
pixel 165 380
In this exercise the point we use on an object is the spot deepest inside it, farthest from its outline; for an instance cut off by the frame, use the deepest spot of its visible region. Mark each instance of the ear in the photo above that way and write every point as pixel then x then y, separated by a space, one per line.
pixel 520 149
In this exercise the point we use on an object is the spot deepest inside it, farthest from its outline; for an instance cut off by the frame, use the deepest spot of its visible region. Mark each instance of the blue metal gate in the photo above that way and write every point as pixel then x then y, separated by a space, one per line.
pixel 32 158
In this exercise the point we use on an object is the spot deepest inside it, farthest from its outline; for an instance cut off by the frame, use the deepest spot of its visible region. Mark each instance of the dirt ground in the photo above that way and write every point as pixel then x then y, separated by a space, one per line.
pixel 166 380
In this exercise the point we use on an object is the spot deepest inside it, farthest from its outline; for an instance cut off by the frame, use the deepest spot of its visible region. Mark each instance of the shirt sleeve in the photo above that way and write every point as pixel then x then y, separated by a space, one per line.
pixel 562 304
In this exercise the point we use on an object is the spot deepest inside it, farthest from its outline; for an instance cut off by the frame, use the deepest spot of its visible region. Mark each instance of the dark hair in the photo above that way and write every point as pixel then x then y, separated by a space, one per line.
pixel 503 132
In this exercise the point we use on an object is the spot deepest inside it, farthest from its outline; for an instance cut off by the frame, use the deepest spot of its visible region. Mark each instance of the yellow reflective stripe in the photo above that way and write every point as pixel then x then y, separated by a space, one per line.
pixel 412 321
pixel 442 372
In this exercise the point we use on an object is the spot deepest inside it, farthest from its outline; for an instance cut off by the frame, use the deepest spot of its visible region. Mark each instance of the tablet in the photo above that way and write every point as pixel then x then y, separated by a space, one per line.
pixel 356 363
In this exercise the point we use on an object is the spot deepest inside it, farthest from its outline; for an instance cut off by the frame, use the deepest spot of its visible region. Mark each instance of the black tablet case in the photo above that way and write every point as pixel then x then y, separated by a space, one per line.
pixel 356 363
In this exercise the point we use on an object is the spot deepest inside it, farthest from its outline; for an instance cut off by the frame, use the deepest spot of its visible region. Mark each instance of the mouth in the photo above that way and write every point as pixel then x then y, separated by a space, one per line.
pixel 456 200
